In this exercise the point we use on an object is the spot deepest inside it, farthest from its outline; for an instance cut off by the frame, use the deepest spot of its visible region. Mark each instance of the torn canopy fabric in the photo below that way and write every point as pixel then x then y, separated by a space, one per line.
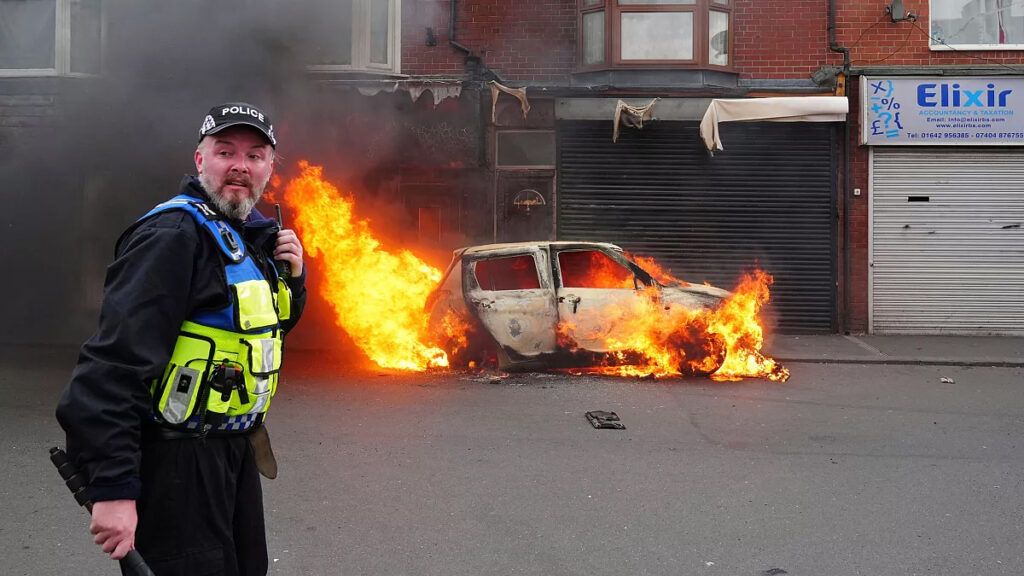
pixel 781 109
pixel 440 90
pixel 632 116
pixel 519 93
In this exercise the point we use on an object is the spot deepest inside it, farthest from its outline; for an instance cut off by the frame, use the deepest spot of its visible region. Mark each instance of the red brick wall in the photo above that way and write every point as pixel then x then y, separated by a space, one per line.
pixel 525 40
pixel 781 38
pixel 857 207
pixel 874 40
pixel 535 40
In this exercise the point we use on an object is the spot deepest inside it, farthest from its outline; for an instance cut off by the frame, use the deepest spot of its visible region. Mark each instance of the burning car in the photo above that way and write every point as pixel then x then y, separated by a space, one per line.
pixel 544 305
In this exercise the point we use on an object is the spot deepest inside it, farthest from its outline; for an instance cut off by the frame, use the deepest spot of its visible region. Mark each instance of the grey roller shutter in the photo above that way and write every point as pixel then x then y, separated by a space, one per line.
pixel 947 241
pixel 769 198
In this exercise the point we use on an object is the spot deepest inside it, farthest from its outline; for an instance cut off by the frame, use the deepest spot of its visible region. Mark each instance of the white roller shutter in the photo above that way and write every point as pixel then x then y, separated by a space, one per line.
pixel 947 241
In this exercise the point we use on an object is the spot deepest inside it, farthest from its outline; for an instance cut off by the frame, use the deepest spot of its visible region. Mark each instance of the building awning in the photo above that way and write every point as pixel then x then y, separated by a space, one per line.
pixel 441 89
pixel 782 109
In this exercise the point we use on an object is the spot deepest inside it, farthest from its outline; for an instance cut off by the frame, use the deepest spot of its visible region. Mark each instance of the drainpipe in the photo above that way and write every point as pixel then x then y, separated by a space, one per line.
pixel 845 196
pixel 451 31
pixel 471 59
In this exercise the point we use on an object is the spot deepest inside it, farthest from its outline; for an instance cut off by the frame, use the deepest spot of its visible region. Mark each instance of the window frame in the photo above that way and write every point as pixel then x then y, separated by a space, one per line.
pixel 953 47
pixel 560 283
pixel 613 10
pixel 62 46
pixel 497 150
pixel 493 258
pixel 361 39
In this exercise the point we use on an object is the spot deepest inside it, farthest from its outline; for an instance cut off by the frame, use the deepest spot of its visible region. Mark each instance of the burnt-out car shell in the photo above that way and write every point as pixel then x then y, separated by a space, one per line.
pixel 513 297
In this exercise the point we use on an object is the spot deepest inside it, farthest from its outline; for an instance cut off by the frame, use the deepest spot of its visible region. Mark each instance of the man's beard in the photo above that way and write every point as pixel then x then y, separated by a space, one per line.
pixel 239 210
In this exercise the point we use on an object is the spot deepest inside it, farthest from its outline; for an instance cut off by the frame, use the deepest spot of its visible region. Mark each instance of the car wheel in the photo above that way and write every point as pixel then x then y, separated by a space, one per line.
pixel 479 353
pixel 709 353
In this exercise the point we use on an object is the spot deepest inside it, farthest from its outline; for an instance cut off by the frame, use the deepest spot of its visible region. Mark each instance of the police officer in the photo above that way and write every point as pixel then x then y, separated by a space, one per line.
pixel 169 396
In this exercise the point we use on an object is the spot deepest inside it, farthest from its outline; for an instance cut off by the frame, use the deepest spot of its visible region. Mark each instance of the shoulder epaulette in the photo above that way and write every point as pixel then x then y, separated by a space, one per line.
pixel 227 238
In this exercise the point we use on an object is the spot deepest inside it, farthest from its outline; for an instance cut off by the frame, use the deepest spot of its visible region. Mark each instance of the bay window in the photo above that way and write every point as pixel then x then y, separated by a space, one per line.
pixel 654 34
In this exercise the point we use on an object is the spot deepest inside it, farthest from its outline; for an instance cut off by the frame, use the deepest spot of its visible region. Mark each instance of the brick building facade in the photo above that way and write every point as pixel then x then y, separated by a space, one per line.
pixel 467 157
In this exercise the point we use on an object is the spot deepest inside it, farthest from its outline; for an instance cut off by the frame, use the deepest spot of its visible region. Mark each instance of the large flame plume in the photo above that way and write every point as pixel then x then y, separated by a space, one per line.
pixel 648 340
pixel 736 320
pixel 378 297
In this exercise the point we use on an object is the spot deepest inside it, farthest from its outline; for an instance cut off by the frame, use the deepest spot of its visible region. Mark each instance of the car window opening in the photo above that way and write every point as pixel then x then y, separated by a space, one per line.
pixel 511 273
pixel 592 269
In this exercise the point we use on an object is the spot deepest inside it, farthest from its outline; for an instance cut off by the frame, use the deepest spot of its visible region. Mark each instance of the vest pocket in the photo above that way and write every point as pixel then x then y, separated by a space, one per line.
pixel 283 297
pixel 180 393
pixel 254 304
pixel 264 355
pixel 177 395
pixel 262 359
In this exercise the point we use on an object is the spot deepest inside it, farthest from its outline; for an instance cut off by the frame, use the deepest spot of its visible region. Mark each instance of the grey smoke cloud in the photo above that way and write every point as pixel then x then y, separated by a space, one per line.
pixel 121 141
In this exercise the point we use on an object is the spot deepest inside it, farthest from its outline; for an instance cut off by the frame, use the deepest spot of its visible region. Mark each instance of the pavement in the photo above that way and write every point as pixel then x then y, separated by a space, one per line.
pixel 1004 351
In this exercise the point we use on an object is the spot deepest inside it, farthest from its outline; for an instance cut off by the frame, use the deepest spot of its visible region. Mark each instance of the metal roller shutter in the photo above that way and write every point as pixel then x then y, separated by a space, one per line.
pixel 946 241
pixel 769 198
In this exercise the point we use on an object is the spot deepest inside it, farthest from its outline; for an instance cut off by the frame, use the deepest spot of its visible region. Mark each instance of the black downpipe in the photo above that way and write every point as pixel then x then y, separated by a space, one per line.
pixel 477 69
pixel 845 197
pixel 451 32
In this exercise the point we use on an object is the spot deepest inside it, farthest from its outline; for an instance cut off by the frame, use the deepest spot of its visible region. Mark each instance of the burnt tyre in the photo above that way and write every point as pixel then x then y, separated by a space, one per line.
pixel 701 353
pixel 473 350
pixel 714 352
pixel 470 354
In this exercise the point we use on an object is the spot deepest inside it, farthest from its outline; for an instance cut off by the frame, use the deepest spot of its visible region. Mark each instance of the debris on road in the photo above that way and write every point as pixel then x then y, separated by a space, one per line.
pixel 603 419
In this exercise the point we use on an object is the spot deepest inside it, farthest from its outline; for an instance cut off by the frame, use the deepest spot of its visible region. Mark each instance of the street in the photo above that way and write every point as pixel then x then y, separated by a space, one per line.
pixel 729 187
pixel 846 469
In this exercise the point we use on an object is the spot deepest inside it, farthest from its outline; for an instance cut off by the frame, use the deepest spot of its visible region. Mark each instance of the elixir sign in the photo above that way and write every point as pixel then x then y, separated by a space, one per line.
pixel 926 111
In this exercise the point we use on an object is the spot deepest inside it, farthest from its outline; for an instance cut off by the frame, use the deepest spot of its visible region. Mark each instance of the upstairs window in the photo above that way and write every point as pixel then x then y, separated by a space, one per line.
pixel 50 37
pixel 355 35
pixel 977 24
pixel 655 34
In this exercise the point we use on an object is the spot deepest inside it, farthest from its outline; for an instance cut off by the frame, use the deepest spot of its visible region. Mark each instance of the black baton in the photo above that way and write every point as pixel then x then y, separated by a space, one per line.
pixel 132 563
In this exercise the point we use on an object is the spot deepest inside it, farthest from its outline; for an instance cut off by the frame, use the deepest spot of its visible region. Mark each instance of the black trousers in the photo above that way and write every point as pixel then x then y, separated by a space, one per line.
pixel 201 508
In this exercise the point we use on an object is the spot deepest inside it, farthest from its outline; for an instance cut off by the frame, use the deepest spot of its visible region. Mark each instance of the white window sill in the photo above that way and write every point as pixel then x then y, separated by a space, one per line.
pixel 974 47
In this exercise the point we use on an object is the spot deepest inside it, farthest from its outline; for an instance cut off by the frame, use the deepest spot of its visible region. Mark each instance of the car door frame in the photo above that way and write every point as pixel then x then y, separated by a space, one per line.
pixel 569 300
pixel 509 315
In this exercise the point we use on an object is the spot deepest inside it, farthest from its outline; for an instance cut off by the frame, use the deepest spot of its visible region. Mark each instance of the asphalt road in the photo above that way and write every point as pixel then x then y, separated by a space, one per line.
pixel 843 470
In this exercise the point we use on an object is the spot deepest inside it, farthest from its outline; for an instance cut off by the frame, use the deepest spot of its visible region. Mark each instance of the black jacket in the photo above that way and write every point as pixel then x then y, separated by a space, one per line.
pixel 166 269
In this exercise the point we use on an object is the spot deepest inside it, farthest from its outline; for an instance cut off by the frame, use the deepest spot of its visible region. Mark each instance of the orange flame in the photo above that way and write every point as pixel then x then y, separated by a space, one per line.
pixel 593 269
pixel 681 341
pixel 456 330
pixel 656 270
pixel 737 321
pixel 377 296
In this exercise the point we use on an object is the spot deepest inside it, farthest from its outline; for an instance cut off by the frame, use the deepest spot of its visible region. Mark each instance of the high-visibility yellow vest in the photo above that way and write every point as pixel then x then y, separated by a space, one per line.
pixel 225 364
